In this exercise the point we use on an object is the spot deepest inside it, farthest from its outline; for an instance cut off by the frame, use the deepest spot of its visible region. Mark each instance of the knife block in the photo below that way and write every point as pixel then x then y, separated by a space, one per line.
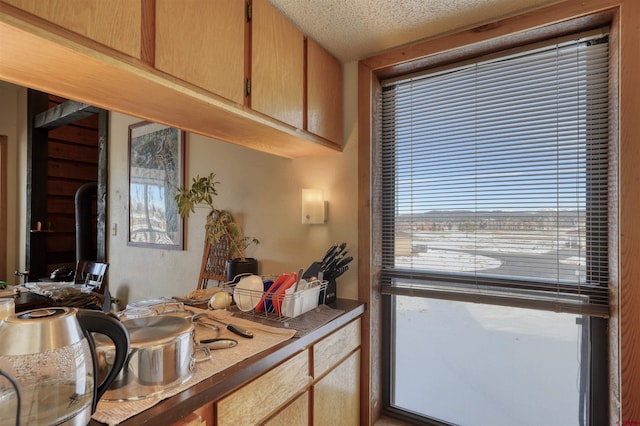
pixel 330 295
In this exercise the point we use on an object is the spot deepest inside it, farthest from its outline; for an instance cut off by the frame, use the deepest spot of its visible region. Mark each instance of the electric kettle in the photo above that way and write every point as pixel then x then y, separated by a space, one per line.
pixel 50 355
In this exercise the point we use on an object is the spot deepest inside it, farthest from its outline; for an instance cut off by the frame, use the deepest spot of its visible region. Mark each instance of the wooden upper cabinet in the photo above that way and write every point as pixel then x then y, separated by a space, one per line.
pixel 203 43
pixel 114 23
pixel 324 94
pixel 277 66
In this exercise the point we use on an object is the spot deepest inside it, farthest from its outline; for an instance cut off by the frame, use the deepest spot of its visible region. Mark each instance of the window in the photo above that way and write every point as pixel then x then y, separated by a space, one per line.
pixel 494 237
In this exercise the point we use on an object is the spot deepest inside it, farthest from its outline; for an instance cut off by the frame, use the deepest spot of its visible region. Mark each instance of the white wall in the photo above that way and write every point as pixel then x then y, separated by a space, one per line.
pixel 262 191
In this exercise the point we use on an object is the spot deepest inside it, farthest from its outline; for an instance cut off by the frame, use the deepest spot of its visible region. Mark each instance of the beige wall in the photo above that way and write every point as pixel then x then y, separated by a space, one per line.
pixel 261 190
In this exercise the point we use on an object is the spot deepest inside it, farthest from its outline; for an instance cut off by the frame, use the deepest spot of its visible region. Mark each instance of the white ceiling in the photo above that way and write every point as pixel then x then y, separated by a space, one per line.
pixel 355 29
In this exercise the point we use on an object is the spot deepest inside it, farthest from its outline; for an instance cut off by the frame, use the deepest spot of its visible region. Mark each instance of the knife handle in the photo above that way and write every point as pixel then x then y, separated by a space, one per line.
pixel 240 331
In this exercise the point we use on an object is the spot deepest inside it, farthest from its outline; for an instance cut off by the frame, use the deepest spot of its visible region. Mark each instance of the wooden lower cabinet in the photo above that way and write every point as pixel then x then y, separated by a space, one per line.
pixel 319 385
pixel 336 397
pixel 267 395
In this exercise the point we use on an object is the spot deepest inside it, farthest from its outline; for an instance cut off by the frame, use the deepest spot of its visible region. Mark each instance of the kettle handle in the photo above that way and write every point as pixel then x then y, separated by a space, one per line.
pixel 110 326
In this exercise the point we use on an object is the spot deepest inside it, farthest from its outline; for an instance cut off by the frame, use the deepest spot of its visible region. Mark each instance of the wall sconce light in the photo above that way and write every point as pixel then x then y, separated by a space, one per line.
pixel 314 207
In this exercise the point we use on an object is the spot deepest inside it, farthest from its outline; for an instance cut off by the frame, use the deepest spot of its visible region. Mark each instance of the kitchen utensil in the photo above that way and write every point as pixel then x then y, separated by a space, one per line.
pixel 201 320
pixel 329 252
pixel 295 286
pixel 204 324
pixel 219 343
pixel 265 303
pixel 163 355
pixel 235 329
pixel 278 295
pixel 303 300
pixel 344 262
pixel 247 292
pixel 335 261
pixel 49 353
pixel 338 272
pixel 332 257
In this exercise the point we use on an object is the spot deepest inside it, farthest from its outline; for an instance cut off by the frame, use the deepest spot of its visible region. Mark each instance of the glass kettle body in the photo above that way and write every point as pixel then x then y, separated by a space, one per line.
pixel 49 353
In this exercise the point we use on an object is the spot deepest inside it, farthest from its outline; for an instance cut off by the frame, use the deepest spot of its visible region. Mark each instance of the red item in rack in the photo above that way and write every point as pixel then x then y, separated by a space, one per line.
pixel 278 295
pixel 260 307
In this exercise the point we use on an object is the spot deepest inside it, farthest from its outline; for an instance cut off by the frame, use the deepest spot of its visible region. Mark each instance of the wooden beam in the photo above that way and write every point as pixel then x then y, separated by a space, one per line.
pixel 65 113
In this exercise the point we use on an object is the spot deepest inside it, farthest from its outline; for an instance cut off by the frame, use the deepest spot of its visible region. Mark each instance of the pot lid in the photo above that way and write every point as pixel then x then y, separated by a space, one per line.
pixel 156 329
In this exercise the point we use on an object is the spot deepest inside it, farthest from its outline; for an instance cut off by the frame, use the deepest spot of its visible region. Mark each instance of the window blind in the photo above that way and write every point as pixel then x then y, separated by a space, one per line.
pixel 495 180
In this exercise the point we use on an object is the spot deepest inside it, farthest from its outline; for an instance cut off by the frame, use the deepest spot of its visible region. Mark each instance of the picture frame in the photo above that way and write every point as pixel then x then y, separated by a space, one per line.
pixel 155 172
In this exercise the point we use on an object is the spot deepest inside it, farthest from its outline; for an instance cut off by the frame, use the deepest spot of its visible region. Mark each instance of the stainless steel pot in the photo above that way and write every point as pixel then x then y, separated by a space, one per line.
pixel 163 354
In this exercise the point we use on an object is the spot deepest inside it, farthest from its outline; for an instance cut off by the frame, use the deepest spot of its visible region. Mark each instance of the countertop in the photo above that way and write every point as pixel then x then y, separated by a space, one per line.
pixel 218 385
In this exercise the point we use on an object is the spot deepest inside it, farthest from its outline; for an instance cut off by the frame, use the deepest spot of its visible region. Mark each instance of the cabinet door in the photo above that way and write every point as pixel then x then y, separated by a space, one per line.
pixel 324 94
pixel 265 396
pixel 202 42
pixel 295 414
pixel 277 66
pixel 336 397
pixel 114 23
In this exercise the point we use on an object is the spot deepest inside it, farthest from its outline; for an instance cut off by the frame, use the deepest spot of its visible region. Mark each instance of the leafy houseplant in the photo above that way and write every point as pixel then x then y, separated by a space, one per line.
pixel 220 225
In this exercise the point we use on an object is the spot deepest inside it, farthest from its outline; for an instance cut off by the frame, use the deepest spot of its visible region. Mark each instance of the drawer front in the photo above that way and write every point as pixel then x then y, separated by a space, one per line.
pixel 331 350
pixel 265 395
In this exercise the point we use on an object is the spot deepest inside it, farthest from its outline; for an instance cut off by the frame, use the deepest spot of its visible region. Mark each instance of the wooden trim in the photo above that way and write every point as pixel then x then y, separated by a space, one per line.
pixel 369 385
pixel 551 21
pixel 629 199
pixel 148 32
pixel 3 208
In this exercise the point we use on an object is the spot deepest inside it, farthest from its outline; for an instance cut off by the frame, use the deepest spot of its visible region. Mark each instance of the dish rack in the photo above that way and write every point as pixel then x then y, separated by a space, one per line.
pixel 281 307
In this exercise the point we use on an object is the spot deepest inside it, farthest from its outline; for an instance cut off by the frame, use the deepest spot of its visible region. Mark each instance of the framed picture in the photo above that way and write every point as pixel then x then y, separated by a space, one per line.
pixel 156 170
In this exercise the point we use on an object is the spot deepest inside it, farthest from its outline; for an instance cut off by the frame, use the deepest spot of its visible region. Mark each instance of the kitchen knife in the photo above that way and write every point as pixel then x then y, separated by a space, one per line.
pixel 335 273
pixel 334 263
pixel 336 252
pixel 331 256
pixel 235 329
pixel 340 271
pixel 328 253
pixel 343 262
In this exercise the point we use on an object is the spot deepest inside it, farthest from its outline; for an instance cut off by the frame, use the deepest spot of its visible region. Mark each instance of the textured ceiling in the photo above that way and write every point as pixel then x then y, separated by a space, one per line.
pixel 355 29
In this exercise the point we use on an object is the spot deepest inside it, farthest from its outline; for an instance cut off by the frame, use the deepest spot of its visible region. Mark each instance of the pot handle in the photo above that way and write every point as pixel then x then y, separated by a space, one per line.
pixel 110 326
pixel 206 353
